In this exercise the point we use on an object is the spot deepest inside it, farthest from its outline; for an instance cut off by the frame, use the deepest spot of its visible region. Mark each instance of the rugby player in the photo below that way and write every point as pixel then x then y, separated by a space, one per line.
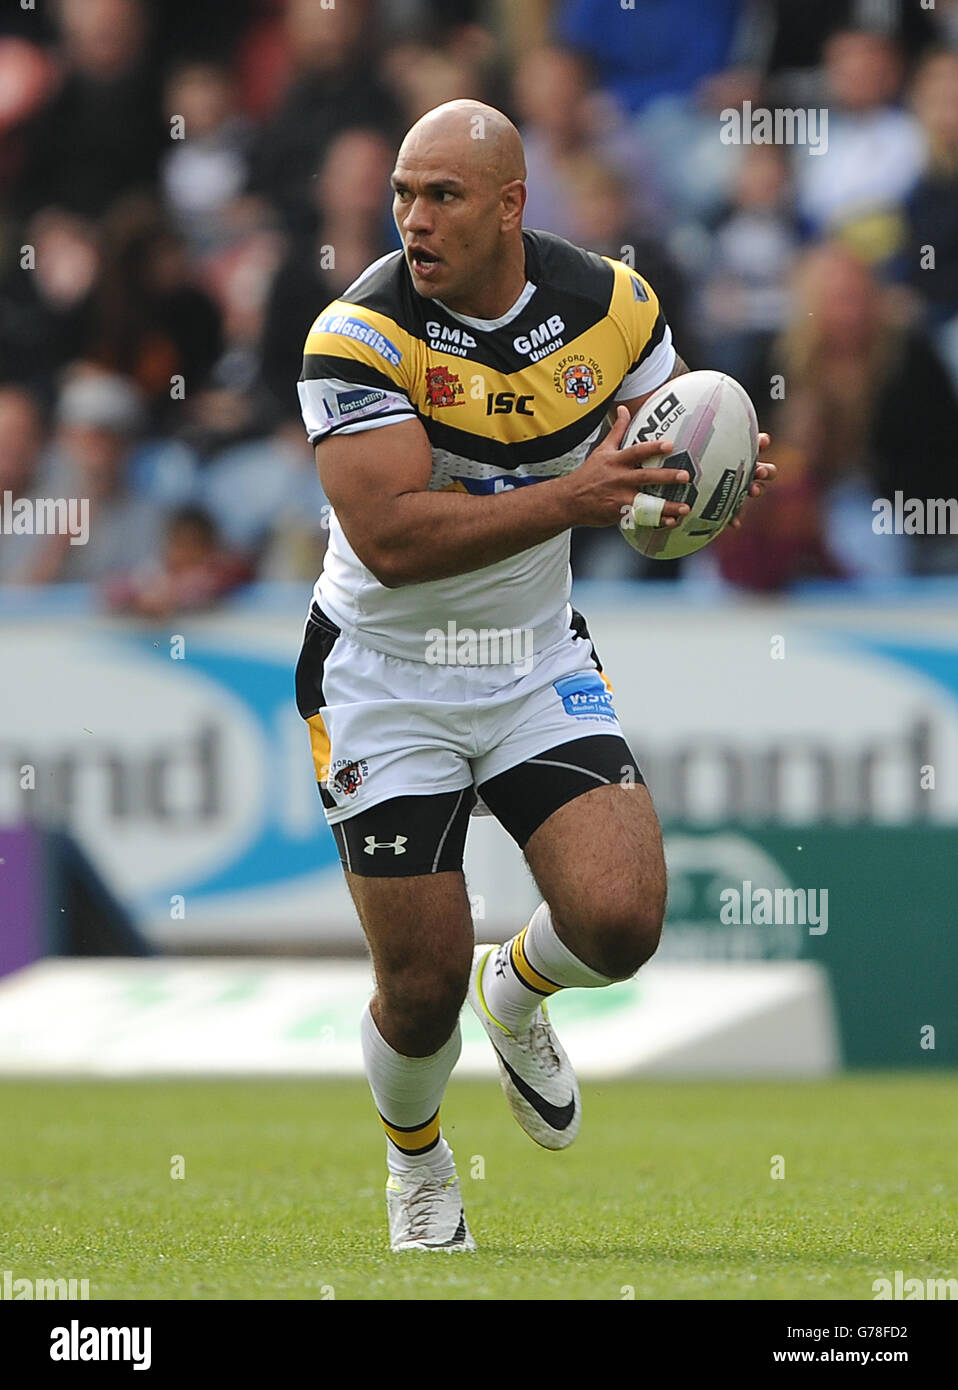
pixel 454 394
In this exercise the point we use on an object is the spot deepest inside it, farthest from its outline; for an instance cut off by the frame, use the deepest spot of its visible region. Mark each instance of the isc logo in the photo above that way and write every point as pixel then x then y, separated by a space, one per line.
pixel 657 419
pixel 545 331
pixel 505 402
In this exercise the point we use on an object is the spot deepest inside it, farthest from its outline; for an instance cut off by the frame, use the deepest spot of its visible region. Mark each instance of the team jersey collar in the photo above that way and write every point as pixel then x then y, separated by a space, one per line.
pixel 489 325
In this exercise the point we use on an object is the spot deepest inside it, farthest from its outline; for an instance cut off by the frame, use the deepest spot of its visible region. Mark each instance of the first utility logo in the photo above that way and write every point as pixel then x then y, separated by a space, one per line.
pixel 76 1343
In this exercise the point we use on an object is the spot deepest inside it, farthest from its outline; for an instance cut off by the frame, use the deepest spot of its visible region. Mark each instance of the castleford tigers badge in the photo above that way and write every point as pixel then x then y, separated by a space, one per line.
pixel 349 777
pixel 577 378
pixel 443 387
pixel 579 381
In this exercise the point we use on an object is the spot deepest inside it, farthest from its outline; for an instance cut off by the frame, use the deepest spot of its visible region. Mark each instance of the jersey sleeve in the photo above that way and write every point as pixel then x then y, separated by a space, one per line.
pixel 648 336
pixel 354 373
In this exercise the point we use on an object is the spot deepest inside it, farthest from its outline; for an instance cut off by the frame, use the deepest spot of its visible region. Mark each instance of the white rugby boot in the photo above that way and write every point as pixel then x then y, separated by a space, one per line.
pixel 537 1076
pixel 426 1212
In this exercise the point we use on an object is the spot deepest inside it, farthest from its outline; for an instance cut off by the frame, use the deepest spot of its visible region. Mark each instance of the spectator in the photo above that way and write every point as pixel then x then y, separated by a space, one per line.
pixel 193 571
pixel 696 185
pixel 46 310
pixel 265 497
pixel 878 411
pixel 933 207
pixel 151 320
pixel 207 169
pixel 440 66
pixel 795 34
pixel 603 221
pixel 875 153
pixel 790 543
pixel 234 405
pixel 98 419
pixel 208 258
pixel 100 134
pixel 334 87
pixel 353 199
pixel 27 77
pixel 21 441
pixel 564 123
pixel 754 243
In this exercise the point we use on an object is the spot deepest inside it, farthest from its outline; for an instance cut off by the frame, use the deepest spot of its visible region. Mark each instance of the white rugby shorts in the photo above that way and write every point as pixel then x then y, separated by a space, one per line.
pixel 382 727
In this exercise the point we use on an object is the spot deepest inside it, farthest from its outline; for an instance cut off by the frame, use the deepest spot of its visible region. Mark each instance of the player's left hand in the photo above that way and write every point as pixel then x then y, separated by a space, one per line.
pixel 764 473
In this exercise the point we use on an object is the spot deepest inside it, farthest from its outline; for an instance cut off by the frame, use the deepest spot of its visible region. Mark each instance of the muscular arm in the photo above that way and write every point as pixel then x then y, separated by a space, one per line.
pixel 377 482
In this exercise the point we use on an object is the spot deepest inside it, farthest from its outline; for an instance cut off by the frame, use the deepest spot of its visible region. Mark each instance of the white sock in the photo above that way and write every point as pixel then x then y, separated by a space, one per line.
pixel 530 968
pixel 408 1092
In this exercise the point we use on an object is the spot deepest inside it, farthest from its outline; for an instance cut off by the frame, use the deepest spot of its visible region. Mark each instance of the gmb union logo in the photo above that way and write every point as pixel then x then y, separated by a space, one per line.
pixel 577 377
pixel 347 778
pixel 443 387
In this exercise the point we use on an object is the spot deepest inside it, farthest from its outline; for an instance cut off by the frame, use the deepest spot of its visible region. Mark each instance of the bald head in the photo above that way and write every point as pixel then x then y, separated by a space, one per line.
pixel 477 137
pixel 459 193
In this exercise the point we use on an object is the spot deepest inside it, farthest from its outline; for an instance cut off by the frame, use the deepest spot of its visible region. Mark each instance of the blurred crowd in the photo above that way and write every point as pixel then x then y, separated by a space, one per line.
pixel 185 184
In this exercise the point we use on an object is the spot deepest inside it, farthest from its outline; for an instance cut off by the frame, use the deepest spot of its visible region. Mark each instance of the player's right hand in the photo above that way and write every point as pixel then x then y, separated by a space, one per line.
pixel 604 486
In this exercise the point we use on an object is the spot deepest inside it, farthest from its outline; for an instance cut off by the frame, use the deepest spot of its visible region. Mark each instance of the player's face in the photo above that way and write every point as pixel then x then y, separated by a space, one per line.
pixel 449 221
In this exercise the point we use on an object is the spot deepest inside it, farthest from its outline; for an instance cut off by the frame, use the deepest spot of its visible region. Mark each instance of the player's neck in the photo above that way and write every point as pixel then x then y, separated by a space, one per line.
pixel 496 295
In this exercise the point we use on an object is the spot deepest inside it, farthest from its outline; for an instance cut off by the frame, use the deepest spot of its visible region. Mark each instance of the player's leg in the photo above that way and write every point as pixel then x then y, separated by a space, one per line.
pixel 564 783
pixel 372 739
pixel 420 937
pixel 582 815
pixel 599 864
pixel 408 888
pixel 585 822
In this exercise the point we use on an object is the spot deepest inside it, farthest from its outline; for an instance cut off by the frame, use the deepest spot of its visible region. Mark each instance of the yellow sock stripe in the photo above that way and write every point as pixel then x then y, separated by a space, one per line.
pixel 416 1139
pixel 528 973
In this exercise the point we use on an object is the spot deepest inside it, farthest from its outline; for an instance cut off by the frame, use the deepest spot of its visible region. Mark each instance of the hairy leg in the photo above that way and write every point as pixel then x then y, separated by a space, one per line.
pixel 599 864
pixel 420 936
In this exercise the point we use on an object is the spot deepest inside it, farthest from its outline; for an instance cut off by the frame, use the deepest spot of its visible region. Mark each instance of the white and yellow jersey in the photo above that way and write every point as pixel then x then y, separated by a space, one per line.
pixel 505 403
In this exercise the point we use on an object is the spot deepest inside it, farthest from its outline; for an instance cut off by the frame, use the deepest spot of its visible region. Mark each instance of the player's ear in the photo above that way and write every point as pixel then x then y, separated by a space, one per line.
pixel 513 200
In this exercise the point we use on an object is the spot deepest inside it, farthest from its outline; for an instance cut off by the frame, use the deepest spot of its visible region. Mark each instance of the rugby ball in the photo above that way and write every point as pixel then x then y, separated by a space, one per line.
pixel 711 424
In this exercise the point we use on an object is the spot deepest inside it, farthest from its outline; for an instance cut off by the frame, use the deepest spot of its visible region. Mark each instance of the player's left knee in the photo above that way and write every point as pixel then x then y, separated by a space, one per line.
pixel 628 938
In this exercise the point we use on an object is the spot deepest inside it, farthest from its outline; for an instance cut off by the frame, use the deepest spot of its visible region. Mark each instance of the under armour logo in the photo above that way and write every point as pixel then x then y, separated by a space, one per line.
pixel 397 845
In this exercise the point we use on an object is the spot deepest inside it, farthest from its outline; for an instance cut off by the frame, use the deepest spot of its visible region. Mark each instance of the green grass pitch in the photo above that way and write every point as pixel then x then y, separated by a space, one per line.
pixel 667 1191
